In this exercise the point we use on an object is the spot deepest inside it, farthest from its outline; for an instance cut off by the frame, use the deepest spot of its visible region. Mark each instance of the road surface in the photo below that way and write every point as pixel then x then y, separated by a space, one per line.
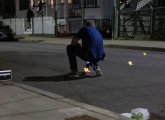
pixel 121 88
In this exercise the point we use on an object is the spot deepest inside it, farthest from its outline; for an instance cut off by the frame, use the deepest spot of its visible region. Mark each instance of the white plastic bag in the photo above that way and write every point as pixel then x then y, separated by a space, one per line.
pixel 144 112
pixel 138 114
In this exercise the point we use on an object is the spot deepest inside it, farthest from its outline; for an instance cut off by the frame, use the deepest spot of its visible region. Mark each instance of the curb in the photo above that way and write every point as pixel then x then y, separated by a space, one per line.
pixel 107 113
pixel 105 45
pixel 137 48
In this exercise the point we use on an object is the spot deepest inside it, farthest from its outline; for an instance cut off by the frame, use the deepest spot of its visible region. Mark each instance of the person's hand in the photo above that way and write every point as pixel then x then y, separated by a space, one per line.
pixel 74 42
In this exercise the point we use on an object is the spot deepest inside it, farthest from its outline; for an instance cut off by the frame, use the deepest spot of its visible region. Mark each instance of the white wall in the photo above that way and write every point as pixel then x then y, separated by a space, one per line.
pixel 104 11
pixel 16 24
pixel 92 13
pixel 43 25
pixel 107 9
pixel 20 13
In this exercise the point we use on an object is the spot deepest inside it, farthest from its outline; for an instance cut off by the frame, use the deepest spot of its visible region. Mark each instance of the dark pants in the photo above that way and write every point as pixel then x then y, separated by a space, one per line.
pixel 77 50
pixel 29 21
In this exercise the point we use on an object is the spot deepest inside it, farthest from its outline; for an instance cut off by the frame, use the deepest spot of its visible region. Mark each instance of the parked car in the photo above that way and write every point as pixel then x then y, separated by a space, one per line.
pixel 6 32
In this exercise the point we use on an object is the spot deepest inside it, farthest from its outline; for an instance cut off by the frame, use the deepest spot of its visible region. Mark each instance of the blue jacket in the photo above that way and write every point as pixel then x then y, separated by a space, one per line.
pixel 92 42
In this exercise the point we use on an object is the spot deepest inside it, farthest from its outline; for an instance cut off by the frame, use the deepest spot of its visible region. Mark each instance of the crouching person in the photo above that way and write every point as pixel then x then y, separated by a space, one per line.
pixel 91 49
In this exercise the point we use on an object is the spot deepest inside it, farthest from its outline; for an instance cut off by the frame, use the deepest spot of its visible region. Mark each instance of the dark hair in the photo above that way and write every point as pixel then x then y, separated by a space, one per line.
pixel 88 23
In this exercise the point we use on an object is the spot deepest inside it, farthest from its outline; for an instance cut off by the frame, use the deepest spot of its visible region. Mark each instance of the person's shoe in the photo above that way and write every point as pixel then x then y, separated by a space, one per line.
pixel 73 74
pixel 98 71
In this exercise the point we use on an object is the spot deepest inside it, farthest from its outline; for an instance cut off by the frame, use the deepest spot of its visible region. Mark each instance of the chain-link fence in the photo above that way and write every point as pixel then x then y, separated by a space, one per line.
pixel 142 22
pixel 159 24
pixel 39 25
pixel 133 23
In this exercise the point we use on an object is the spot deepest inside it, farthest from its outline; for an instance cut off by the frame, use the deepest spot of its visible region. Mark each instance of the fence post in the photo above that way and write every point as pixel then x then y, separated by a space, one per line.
pixel 135 23
pixel 55 18
pixel 116 18
pixel 15 25
pixel 152 23
pixel 42 25
pixel 56 28
pixel 113 23
pixel 32 26
pixel 152 20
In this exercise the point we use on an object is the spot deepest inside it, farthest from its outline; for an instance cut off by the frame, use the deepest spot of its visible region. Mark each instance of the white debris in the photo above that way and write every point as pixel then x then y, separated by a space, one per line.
pixel 128 115
pixel 138 114
pixel 146 114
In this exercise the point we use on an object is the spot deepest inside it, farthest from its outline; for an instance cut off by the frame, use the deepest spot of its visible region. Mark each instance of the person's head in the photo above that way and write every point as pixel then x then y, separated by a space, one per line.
pixel 89 23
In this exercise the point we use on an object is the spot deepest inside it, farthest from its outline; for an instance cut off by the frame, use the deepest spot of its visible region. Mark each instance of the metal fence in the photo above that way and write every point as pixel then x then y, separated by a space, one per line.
pixel 17 24
pixel 44 25
pixel 40 25
pixel 159 23
pixel 142 24
pixel 134 23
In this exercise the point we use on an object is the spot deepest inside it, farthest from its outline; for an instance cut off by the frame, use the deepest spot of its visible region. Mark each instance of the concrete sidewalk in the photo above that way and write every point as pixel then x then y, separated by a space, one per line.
pixel 22 102
pixel 130 44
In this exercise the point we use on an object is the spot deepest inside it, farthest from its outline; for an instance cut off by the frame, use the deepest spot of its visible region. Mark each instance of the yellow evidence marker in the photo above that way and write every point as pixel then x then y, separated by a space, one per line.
pixel 130 63
pixel 86 70
pixel 144 53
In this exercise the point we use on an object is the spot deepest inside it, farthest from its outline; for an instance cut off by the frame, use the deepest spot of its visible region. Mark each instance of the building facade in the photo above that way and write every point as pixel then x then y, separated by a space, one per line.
pixel 7 8
pixel 121 18
pixel 73 13
pixel 23 5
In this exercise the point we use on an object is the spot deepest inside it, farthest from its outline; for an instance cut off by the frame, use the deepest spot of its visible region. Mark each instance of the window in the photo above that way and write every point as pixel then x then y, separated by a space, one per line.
pixel 23 4
pixel 90 3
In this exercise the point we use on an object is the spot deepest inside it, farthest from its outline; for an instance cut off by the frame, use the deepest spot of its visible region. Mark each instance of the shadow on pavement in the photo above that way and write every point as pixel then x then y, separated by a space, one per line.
pixel 57 78
pixel 8 40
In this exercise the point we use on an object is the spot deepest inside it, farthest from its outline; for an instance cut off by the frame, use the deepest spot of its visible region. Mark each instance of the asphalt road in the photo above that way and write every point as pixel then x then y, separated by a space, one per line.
pixel 120 89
